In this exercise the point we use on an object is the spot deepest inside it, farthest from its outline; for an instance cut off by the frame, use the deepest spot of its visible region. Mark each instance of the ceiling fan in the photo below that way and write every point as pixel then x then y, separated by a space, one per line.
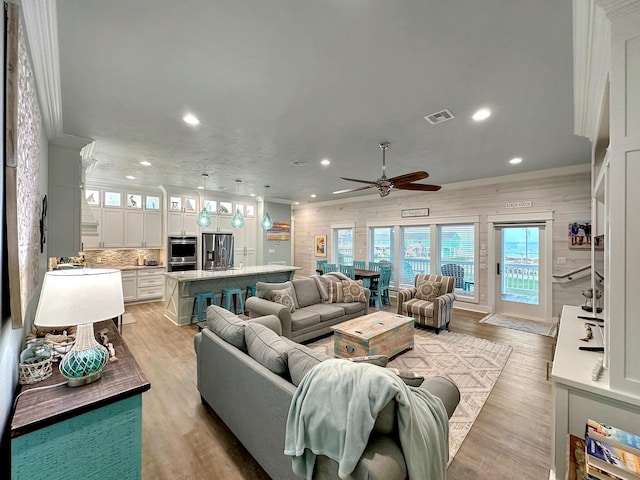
pixel 401 182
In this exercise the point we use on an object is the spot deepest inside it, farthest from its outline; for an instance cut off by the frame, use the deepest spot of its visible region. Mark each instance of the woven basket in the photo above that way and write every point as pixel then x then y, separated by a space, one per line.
pixel 29 373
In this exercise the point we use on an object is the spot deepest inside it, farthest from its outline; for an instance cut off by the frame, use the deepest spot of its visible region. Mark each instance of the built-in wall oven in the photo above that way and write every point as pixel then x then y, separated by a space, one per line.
pixel 181 253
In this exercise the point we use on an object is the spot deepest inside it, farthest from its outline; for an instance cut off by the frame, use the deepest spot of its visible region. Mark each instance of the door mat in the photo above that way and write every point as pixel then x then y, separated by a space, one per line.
pixel 524 325
pixel 128 318
pixel 473 364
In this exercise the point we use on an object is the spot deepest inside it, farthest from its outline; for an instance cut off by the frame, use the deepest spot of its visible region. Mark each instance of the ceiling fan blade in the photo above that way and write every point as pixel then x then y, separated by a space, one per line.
pixel 409 177
pixel 418 186
pixel 359 181
pixel 354 189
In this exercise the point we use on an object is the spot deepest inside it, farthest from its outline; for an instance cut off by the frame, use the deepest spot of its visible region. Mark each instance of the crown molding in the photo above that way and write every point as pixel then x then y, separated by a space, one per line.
pixel 41 25
pixel 618 8
pixel 591 65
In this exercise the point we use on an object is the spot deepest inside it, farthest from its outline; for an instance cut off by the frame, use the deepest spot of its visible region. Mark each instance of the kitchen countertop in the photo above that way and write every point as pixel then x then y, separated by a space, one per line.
pixel 195 275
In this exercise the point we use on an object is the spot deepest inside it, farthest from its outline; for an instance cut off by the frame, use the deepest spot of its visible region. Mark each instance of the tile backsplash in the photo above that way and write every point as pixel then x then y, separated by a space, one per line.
pixel 121 258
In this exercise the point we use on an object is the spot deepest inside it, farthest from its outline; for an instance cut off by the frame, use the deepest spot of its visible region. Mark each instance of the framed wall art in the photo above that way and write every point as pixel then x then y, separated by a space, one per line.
pixel 320 245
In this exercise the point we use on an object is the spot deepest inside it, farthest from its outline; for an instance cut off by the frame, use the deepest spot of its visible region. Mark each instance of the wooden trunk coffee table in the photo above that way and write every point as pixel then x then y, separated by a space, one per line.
pixel 380 333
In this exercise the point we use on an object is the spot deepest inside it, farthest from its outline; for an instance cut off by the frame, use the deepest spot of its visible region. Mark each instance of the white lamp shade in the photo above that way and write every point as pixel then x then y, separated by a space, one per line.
pixel 78 296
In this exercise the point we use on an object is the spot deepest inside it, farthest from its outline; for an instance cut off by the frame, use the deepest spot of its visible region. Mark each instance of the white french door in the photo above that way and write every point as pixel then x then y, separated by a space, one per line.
pixel 520 274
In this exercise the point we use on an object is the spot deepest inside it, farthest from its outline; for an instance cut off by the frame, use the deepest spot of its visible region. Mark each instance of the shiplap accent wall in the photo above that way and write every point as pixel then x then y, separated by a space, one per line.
pixel 567 195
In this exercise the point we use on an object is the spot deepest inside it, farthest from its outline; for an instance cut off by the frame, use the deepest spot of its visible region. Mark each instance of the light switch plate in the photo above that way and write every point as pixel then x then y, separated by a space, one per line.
pixel 561 261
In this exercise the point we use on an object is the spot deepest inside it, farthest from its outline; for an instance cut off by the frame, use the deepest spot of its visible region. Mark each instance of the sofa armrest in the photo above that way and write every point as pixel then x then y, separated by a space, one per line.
pixel 259 307
pixel 442 300
pixel 404 295
pixel 272 322
pixel 445 390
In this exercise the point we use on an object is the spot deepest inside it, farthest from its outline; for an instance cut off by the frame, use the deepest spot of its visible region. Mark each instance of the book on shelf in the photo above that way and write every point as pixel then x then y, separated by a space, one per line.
pixel 614 436
pixel 613 460
pixel 576 460
pixel 595 473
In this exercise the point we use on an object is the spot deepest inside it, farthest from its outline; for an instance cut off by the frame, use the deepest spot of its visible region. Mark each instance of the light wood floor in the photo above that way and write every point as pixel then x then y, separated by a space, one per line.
pixel 182 439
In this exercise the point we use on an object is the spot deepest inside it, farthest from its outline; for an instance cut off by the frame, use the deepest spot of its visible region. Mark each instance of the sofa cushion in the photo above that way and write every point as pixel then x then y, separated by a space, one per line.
pixel 353 291
pixel 421 308
pixel 307 292
pixel 322 282
pixel 263 290
pixel 327 311
pixel 284 297
pixel 266 347
pixel 410 378
pixel 227 326
pixel 351 308
pixel 427 290
pixel 304 318
pixel 301 359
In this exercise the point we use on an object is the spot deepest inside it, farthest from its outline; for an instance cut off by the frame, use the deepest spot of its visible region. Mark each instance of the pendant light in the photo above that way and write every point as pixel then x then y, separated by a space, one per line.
pixel 266 222
pixel 238 220
pixel 204 219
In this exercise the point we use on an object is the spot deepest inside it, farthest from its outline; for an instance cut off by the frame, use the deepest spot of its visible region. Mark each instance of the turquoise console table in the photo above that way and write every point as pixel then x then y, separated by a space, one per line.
pixel 93 431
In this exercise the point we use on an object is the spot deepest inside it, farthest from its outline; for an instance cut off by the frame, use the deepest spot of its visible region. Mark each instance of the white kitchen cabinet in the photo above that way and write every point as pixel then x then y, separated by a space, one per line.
pixel 112 231
pixel 91 237
pixel 153 229
pixel 133 229
pixel 150 283
pixel 129 285
pixel 181 223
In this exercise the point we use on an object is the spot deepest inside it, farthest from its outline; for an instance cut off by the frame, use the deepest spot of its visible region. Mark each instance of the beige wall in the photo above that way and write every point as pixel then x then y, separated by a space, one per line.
pixel 565 192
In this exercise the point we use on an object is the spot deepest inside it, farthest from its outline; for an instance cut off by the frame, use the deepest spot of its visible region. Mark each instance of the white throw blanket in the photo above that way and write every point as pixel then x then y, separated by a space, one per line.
pixel 335 407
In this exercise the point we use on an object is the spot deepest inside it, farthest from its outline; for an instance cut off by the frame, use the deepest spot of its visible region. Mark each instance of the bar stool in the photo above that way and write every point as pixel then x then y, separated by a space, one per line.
pixel 200 299
pixel 251 292
pixel 232 293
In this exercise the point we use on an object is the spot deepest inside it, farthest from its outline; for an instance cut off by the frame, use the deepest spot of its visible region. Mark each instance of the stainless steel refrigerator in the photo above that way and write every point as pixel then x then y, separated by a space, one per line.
pixel 217 251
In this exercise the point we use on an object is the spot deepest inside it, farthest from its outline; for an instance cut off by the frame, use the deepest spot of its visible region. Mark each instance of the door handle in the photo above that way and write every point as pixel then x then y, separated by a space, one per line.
pixel 498 268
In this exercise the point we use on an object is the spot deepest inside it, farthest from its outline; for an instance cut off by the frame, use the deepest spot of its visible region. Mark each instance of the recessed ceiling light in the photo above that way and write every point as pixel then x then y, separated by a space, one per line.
pixel 191 119
pixel 296 203
pixel 325 161
pixel 200 187
pixel 313 195
pixel 481 114
pixel 145 163
pixel 130 177
pixel 252 194
pixel 515 161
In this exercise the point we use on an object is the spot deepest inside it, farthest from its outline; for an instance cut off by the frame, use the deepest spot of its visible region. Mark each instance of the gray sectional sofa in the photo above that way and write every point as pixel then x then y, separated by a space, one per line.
pixel 313 315
pixel 236 378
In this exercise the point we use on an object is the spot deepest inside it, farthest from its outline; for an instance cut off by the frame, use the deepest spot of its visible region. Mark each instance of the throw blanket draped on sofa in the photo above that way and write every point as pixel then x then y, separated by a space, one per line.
pixel 335 407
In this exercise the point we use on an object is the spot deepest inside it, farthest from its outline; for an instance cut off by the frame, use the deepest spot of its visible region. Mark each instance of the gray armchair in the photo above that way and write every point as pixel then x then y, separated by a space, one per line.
pixel 435 314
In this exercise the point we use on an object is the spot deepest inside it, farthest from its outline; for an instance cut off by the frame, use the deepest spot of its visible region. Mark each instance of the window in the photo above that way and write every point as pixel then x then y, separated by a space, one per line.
pixel 93 197
pixel 112 199
pixel 343 241
pixel 210 205
pixel 415 256
pixel 382 244
pixel 152 202
pixel 225 207
pixel 134 200
pixel 457 256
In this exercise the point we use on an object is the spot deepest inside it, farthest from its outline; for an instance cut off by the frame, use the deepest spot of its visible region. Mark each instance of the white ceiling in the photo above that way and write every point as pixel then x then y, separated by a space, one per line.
pixel 279 81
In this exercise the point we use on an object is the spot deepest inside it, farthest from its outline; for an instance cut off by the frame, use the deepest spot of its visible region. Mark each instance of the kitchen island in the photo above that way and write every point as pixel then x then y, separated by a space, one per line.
pixel 181 286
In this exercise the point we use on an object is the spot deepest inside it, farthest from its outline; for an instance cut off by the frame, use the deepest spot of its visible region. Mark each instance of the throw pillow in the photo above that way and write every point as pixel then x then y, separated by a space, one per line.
pixel 336 294
pixel 264 289
pixel 266 347
pixel 301 359
pixel 408 378
pixel 227 326
pixel 353 291
pixel 284 297
pixel 427 290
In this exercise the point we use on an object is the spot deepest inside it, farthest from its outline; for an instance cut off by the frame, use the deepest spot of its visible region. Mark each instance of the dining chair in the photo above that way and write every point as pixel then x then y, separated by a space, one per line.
pixel 348 270
pixel 359 265
pixel 319 264
pixel 329 267
pixel 380 289
pixel 375 266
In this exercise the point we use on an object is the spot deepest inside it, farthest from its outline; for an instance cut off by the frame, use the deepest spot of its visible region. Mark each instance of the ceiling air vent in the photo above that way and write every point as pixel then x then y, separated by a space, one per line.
pixel 439 117
pixel 299 163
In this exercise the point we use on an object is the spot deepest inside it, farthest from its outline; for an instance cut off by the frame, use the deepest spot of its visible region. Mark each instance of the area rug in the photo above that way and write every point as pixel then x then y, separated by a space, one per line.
pixel 473 364
pixel 530 326
pixel 128 318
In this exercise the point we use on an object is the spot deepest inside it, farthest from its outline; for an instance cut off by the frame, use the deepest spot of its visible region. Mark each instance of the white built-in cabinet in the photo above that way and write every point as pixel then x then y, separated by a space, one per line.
pixel 125 218
pixel 143 284
pixel 182 210
pixel 607 111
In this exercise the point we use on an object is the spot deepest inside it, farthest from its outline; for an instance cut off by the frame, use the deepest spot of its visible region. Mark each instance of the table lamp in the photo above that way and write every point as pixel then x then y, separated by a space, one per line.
pixel 81 297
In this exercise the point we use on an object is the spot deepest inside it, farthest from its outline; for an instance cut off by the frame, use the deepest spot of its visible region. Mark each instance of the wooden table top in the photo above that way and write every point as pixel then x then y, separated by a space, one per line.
pixel 359 273
pixel 369 326
pixel 120 379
